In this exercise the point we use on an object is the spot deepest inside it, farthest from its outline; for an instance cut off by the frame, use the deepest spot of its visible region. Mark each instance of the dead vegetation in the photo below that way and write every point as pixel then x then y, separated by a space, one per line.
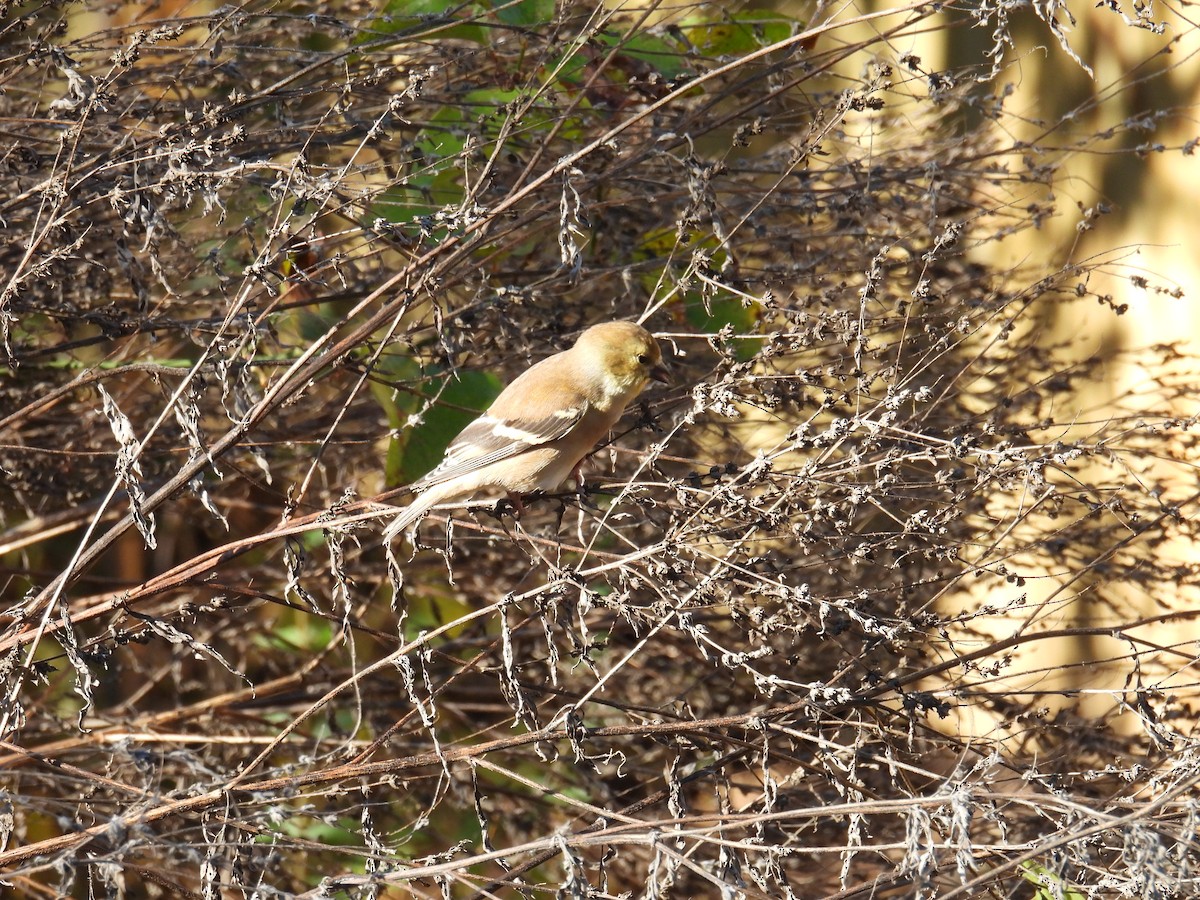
pixel 875 601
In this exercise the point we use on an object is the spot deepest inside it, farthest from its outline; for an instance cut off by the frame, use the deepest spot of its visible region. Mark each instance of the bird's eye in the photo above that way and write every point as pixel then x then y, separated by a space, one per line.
pixel 644 359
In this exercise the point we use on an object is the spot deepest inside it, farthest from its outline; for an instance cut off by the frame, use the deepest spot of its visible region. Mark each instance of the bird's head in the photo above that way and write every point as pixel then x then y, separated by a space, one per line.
pixel 626 354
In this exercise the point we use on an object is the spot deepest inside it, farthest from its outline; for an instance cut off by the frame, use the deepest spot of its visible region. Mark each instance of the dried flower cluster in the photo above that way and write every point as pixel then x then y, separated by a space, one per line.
pixel 864 605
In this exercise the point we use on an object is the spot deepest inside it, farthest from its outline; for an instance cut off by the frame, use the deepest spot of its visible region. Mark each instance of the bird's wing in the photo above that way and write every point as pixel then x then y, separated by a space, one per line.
pixel 489 439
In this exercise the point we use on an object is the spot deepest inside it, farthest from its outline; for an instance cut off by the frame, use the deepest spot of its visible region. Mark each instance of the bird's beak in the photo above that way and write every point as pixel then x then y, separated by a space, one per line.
pixel 660 373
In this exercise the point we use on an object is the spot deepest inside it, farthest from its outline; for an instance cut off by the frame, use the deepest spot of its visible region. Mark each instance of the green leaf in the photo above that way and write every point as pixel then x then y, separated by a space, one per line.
pixel 526 12
pixel 668 59
pixel 709 314
pixel 489 107
pixel 715 313
pixel 1043 879
pixel 741 33
pixel 436 176
pixel 301 632
pixel 434 179
pixel 432 19
pixel 310 828
pixel 461 399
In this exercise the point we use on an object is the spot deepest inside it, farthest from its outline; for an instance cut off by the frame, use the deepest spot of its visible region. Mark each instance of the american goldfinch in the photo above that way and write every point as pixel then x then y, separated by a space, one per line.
pixel 540 428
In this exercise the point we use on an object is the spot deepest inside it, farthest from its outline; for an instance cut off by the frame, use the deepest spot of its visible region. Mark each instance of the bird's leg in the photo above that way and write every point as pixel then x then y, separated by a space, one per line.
pixel 517 505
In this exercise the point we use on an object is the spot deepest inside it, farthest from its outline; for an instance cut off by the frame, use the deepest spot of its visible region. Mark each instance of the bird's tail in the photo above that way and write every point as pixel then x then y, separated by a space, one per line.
pixel 420 505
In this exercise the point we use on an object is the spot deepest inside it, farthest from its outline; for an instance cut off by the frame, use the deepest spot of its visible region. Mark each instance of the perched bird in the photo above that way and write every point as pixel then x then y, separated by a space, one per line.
pixel 540 428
